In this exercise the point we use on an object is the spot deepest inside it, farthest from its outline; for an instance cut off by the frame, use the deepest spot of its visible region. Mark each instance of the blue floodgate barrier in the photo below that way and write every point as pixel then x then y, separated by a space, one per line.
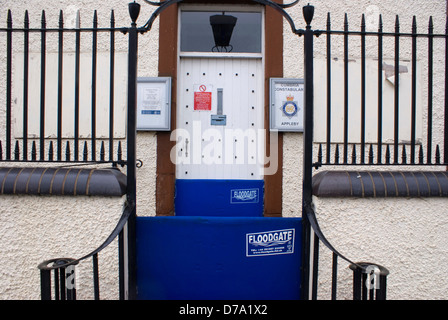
pixel 219 197
pixel 218 258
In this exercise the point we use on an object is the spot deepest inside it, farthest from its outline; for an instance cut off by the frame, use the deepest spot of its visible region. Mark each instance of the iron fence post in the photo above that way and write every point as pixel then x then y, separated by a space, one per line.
pixel 45 284
pixel 134 10
pixel 369 281
pixel 308 13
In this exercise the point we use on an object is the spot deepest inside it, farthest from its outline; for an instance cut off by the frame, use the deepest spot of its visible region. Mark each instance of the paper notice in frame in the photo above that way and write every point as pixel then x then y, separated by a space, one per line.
pixel 151 100
pixel 154 104
pixel 286 104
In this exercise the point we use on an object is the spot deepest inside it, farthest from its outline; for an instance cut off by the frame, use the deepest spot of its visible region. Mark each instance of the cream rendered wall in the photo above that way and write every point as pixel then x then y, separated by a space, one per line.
pixel 37 228
pixel 407 236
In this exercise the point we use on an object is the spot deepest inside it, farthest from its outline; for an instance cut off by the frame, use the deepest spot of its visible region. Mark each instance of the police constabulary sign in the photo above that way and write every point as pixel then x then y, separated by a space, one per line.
pixel 286 99
pixel 270 242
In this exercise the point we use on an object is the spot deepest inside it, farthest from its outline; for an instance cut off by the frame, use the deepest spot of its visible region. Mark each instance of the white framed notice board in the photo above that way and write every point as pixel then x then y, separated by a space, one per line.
pixel 154 104
pixel 286 104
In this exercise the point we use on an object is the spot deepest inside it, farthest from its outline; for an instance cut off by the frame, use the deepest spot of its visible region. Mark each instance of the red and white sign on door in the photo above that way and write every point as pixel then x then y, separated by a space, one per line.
pixel 202 98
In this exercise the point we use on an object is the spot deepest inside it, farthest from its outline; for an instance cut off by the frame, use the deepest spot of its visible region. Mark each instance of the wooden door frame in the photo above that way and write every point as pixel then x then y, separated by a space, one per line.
pixel 165 171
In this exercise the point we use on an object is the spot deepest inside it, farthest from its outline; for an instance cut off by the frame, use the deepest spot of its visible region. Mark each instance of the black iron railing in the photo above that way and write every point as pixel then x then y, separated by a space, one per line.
pixel 366 276
pixel 64 283
pixel 409 131
pixel 413 138
pixel 58 141
pixel 35 130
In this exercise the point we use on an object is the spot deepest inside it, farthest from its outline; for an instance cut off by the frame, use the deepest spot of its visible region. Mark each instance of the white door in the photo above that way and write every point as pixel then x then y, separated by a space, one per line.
pixel 220 119
pixel 219 153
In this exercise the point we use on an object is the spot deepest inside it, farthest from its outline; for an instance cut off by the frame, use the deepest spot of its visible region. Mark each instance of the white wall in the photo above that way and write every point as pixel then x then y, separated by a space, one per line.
pixel 405 235
pixel 39 228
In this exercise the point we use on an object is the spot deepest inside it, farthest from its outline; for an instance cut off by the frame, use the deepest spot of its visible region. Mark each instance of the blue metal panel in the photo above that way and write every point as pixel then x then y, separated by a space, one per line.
pixel 219 198
pixel 213 258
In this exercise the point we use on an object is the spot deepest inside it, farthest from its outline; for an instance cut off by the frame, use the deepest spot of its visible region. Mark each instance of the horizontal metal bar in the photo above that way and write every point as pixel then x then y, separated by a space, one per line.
pixel 317 32
pixel 123 30
pixel 318 164
pixel 69 163
pixel 376 33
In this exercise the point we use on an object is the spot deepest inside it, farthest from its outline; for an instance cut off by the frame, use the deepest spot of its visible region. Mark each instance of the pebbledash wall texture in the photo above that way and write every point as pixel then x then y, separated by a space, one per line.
pixel 406 235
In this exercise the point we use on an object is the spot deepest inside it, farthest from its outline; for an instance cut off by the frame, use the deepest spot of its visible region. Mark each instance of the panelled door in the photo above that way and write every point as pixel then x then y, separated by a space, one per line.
pixel 221 111
pixel 220 140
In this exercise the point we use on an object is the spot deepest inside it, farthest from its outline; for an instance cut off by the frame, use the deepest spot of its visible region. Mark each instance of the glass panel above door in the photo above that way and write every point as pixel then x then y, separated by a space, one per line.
pixel 218 31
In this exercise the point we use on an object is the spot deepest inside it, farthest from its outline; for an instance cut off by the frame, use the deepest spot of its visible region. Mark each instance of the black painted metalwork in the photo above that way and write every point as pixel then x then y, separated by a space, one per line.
pixel 346 78
pixel 26 49
pixel 111 86
pixel 379 184
pixel 312 235
pixel 42 147
pixel 134 10
pixel 60 84
pixel 58 264
pixel 67 181
pixel 77 83
pixel 445 126
pixel 8 84
pixel 64 272
pixel 418 151
pixel 59 149
pixel 380 91
pixel 94 84
pixel 96 280
pixel 414 90
pixel 369 281
pixel 222 26
pixel 397 88
pixel 363 88
pixel 328 93
pixel 307 201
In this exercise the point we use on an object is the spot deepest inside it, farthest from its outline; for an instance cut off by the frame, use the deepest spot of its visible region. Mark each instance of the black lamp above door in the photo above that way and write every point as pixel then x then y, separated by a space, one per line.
pixel 222 26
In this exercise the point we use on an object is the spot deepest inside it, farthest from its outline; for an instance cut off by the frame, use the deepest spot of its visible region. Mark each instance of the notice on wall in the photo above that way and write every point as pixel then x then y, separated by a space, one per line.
pixel 154 104
pixel 203 97
pixel 286 111
pixel 270 243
